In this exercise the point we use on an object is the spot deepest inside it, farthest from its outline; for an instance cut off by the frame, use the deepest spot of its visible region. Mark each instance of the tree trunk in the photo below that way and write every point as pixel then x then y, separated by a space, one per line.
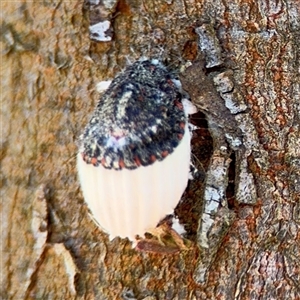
pixel 239 62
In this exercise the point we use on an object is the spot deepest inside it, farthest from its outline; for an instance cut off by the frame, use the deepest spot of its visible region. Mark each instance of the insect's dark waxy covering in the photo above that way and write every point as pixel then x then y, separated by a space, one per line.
pixel 138 120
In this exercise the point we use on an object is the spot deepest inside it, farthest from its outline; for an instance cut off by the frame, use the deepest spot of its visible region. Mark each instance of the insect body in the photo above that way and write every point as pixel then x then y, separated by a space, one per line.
pixel 134 154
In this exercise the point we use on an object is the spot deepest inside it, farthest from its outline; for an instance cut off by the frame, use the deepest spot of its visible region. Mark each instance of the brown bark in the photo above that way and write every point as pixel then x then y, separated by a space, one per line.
pixel 242 52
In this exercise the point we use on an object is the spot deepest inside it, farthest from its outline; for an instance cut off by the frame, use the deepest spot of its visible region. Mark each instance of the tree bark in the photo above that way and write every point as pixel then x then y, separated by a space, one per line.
pixel 239 62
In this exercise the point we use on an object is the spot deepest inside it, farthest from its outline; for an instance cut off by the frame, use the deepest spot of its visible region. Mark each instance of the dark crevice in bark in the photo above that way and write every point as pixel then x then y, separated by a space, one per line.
pixel 231 182
pixel 190 207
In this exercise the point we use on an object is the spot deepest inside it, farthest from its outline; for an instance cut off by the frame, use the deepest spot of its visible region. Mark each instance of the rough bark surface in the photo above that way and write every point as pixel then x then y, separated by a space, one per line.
pixel 239 61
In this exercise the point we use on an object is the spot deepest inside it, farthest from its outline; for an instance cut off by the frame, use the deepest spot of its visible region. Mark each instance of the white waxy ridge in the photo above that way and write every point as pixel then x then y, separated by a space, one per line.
pixel 129 202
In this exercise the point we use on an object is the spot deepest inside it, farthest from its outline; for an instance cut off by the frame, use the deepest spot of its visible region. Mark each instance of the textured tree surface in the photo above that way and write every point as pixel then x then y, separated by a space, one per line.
pixel 239 62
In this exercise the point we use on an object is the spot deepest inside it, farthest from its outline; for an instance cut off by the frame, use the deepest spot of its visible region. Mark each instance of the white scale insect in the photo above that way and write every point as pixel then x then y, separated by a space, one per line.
pixel 134 154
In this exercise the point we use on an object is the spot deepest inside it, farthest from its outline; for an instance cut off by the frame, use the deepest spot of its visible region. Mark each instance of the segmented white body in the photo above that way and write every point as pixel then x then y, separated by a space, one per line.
pixel 126 202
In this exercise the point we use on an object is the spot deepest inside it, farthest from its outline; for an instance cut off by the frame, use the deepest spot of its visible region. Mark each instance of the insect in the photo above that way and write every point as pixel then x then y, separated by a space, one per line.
pixel 134 153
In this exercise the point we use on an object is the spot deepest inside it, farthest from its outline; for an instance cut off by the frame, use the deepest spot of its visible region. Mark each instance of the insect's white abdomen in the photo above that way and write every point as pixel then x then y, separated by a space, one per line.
pixel 126 202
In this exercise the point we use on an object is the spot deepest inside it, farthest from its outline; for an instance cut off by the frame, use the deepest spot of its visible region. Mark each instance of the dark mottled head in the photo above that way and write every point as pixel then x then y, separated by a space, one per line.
pixel 138 120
